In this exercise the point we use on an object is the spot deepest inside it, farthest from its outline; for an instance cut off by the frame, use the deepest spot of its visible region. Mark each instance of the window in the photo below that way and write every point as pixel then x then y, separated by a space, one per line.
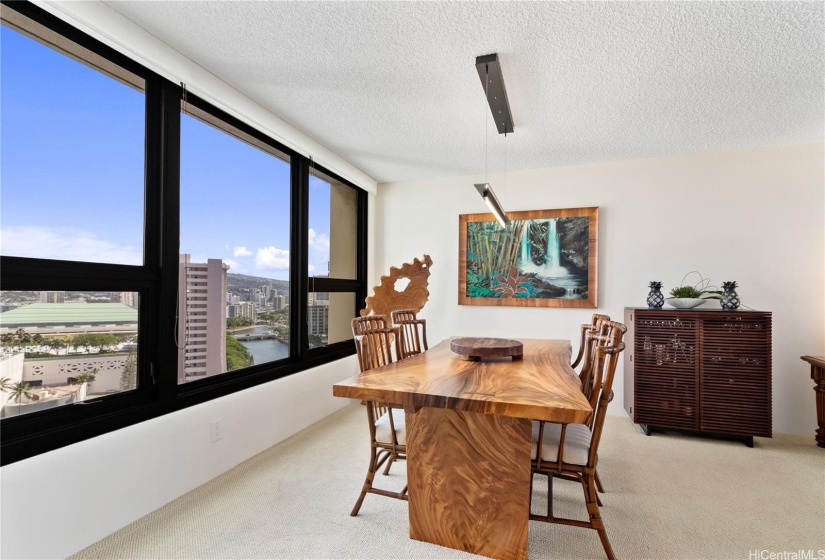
pixel 73 212
pixel 72 146
pixel 333 227
pixel 151 259
pixel 233 279
pixel 59 348
pixel 332 259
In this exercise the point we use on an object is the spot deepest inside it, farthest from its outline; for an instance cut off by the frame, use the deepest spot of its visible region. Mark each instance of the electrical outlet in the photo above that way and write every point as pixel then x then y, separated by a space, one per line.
pixel 217 430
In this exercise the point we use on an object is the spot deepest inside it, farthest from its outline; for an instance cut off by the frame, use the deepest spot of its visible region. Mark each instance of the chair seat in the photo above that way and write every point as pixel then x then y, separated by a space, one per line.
pixel 576 443
pixel 383 431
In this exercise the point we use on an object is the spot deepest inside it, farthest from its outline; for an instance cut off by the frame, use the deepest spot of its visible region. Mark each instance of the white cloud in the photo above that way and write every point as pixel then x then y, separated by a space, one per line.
pixel 234 266
pixel 65 243
pixel 319 243
pixel 241 252
pixel 268 258
pixel 318 251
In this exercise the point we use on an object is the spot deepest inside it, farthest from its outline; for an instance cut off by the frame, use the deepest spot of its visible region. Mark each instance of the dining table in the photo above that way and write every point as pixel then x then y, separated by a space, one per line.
pixel 468 433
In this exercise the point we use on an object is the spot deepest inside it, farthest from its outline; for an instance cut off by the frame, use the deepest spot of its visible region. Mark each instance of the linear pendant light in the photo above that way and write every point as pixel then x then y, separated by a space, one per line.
pixel 486 192
pixel 489 70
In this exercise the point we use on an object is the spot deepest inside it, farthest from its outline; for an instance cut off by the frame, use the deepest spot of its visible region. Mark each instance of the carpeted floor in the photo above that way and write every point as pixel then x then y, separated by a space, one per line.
pixel 668 496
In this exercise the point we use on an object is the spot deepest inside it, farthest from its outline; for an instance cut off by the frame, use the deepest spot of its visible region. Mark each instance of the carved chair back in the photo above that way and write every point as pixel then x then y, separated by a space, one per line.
pixel 588 327
pixel 373 341
pixel 587 350
pixel 412 332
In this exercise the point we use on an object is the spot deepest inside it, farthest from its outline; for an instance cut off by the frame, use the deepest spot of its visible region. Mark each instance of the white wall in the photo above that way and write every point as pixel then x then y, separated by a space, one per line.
pixel 754 216
pixel 55 504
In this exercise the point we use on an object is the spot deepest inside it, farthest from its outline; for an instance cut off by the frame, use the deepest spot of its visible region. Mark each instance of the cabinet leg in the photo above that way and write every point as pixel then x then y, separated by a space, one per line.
pixel 646 429
pixel 748 440
pixel 818 375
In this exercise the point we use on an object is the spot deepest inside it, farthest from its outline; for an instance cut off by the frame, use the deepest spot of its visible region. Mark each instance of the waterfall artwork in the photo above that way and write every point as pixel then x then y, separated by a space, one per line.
pixel 545 258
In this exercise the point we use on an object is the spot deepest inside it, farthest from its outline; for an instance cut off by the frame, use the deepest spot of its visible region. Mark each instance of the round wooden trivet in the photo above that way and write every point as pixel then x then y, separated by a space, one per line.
pixel 473 349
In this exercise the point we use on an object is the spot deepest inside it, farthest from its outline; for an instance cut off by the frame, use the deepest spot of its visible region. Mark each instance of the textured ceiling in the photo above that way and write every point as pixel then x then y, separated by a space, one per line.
pixel 392 86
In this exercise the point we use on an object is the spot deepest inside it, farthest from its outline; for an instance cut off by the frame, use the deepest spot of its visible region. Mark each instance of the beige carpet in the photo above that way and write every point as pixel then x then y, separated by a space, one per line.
pixel 668 497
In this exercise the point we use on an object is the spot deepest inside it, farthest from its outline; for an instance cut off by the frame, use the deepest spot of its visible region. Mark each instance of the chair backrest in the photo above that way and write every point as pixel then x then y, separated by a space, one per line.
pixel 597 318
pixel 607 348
pixel 587 349
pixel 373 341
pixel 360 325
pixel 412 332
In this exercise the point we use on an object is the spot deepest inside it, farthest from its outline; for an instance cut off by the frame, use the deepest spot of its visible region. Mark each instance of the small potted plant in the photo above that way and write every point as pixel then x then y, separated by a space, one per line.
pixel 688 297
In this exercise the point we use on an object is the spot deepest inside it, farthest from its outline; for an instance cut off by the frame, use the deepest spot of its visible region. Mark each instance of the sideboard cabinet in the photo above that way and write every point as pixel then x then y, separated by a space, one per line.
pixel 705 371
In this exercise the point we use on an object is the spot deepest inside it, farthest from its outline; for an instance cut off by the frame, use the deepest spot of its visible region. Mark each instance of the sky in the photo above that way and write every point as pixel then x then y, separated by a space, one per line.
pixel 72 175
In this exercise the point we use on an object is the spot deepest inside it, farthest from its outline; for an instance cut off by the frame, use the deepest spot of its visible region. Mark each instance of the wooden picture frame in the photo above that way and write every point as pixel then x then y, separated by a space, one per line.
pixel 545 258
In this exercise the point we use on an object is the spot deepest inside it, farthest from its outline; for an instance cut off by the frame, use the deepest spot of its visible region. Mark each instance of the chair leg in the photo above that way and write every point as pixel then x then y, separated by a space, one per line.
pixel 367 482
pixel 584 487
pixel 393 457
pixel 599 486
pixel 595 515
pixel 530 499
pixel 600 489
pixel 550 496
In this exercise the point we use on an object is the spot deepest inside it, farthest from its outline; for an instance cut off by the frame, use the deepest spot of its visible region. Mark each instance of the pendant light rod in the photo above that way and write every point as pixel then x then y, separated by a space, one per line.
pixel 486 192
pixel 489 71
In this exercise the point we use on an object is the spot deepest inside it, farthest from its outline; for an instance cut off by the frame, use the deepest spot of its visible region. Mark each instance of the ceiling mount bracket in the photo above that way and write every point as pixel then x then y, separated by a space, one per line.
pixel 489 71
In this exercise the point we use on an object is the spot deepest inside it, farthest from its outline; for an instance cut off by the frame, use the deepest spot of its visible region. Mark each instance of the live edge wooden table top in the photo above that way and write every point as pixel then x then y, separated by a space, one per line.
pixel 468 429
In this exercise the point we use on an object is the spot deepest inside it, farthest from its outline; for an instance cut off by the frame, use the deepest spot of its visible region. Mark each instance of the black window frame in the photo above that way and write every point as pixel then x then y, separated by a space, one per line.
pixel 156 280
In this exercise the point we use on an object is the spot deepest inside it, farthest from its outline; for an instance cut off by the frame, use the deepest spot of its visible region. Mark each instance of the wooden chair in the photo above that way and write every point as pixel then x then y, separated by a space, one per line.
pixel 373 345
pixel 587 350
pixel 412 338
pixel 570 451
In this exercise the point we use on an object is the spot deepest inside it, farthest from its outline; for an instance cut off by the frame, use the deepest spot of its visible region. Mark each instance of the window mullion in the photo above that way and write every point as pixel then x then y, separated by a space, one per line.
pixel 165 169
pixel 299 263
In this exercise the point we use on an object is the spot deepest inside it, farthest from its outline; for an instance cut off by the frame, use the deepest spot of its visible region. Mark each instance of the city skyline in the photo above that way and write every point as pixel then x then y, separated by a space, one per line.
pixel 89 198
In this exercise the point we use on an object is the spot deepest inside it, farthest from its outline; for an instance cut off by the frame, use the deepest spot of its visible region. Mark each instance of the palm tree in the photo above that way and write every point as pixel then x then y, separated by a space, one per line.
pixel 5 385
pixel 55 343
pixel 87 377
pixel 17 390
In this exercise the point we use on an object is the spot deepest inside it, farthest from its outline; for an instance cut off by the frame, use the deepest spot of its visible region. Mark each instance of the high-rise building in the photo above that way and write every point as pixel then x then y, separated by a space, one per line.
pixel 242 309
pixel 319 318
pixel 126 298
pixel 52 297
pixel 315 297
pixel 202 327
pixel 247 309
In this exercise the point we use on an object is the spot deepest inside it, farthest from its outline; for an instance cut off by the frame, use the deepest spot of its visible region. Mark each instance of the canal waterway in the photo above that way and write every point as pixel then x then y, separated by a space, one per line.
pixel 263 351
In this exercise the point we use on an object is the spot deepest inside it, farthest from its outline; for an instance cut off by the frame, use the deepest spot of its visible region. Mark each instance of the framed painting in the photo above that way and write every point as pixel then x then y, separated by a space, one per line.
pixel 545 258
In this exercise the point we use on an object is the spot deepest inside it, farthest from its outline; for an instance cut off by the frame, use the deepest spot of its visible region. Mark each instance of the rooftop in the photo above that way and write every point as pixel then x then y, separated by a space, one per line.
pixel 41 314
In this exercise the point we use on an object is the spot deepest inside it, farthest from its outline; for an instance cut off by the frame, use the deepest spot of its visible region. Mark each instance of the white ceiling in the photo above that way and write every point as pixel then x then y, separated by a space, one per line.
pixel 392 86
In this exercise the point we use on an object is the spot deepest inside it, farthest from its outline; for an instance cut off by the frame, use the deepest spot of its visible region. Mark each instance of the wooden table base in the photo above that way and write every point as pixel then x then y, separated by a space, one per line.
pixel 818 375
pixel 469 481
